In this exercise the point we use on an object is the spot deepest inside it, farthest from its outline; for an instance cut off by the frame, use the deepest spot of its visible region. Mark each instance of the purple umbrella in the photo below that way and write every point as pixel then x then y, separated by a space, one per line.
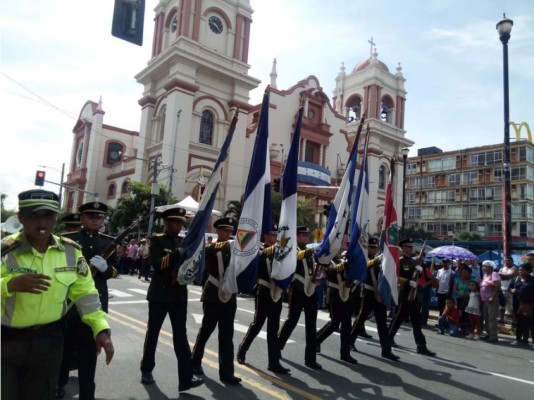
pixel 454 252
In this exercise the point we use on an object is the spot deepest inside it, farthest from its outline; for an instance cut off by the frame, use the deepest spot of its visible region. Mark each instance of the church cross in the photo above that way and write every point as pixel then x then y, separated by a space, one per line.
pixel 372 44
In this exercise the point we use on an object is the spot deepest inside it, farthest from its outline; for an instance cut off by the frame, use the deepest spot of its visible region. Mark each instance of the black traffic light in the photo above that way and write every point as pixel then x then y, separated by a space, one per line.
pixel 128 20
pixel 327 208
pixel 39 178
pixel 276 184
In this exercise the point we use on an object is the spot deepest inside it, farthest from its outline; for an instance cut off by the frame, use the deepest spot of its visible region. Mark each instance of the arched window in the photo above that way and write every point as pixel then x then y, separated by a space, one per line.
pixel 112 191
pixel 125 189
pixel 382 177
pixel 206 128
pixel 354 108
pixel 386 109
pixel 161 130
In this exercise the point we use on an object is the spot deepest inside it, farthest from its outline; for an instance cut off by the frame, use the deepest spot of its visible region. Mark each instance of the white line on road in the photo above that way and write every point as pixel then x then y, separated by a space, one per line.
pixel 127 302
pixel 140 291
pixel 119 293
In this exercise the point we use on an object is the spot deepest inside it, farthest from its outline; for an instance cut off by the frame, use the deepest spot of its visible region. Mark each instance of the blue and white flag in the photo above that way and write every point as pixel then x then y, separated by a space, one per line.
pixel 358 239
pixel 340 209
pixel 285 254
pixel 191 249
pixel 256 216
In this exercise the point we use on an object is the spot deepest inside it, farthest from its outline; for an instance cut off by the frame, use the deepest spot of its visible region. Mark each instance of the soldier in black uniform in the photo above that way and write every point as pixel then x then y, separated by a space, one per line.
pixel 371 301
pixel 268 306
pixel 92 242
pixel 166 296
pixel 338 299
pixel 302 295
pixel 408 306
pixel 219 307
pixel 71 222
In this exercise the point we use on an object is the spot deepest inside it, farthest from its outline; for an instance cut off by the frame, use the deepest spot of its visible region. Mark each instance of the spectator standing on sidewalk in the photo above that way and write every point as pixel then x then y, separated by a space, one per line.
pixel 144 256
pixel 522 290
pixel 489 294
pixel 131 257
pixel 445 278
pixel 473 311
pixel 507 273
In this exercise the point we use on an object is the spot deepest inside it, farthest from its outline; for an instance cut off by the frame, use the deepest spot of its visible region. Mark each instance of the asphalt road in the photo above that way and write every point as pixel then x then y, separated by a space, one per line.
pixel 463 369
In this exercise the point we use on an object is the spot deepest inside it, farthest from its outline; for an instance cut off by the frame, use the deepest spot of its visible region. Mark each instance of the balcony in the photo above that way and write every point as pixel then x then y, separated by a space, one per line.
pixel 313 174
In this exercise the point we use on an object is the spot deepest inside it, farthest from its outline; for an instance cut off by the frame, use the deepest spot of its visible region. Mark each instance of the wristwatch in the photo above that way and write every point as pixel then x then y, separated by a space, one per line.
pixel 108 331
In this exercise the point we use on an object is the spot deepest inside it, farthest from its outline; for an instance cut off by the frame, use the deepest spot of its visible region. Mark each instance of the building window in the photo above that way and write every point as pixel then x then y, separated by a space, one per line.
pixel 114 153
pixel 125 189
pixel 311 152
pixel 206 128
pixel 161 130
pixel 112 191
pixel 354 108
pixel 382 177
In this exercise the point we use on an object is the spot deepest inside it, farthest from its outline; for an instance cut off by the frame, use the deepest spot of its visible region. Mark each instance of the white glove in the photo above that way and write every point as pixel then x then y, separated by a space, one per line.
pixel 380 257
pixel 99 263
pixel 413 284
pixel 419 268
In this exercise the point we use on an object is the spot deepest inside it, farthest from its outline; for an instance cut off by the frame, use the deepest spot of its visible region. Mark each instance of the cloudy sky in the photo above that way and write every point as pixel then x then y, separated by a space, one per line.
pixel 58 54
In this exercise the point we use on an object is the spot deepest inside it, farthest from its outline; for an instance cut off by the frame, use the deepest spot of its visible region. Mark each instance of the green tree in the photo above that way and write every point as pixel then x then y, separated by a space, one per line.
pixel 5 213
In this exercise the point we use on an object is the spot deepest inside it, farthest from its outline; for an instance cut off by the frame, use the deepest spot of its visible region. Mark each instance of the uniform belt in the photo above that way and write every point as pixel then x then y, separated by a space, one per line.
pixel 368 287
pixel 265 283
pixel 9 333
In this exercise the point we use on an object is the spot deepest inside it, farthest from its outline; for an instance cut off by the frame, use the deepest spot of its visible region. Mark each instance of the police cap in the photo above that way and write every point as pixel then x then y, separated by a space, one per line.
pixel 93 207
pixel 406 242
pixel 227 224
pixel 174 213
pixel 71 219
pixel 37 200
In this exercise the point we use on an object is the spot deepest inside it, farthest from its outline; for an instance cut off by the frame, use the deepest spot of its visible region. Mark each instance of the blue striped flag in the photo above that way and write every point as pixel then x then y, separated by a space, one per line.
pixel 283 266
pixel 191 249
pixel 256 216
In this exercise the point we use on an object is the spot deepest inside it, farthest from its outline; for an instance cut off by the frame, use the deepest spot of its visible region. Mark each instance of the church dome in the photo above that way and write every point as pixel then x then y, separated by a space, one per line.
pixel 373 60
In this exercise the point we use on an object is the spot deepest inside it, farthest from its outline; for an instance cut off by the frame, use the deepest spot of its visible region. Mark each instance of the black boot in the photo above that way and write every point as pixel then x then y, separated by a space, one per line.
pixel 424 351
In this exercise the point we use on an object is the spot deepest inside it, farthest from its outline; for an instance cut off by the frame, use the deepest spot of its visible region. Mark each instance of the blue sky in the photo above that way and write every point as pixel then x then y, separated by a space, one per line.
pixel 55 56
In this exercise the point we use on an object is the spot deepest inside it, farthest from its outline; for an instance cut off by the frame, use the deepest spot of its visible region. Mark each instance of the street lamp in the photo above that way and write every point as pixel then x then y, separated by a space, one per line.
pixel 504 27
pixel 404 152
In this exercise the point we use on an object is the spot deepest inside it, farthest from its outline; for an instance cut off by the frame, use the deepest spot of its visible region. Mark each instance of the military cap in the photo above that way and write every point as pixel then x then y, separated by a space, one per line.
pixel 225 223
pixel 303 229
pixel 174 213
pixel 38 199
pixel 93 207
pixel 273 230
pixel 373 242
pixel 71 219
pixel 406 242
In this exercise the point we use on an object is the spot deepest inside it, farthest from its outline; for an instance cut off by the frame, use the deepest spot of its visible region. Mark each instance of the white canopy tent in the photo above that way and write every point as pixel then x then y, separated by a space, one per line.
pixel 189 204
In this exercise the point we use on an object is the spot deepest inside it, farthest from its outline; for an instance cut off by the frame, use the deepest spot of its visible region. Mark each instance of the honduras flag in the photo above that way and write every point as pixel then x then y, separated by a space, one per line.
pixel 340 209
pixel 387 280
pixel 283 266
pixel 357 251
pixel 191 249
pixel 256 217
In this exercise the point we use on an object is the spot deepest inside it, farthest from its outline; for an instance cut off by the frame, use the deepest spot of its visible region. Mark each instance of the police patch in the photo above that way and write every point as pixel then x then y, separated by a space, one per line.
pixel 81 267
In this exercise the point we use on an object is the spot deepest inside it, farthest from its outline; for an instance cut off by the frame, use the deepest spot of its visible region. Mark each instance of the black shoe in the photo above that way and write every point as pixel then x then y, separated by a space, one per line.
pixel 313 365
pixel 393 344
pixel 390 356
pixel 240 355
pixel 278 369
pixel 365 335
pixel 197 370
pixel 352 347
pixel 348 358
pixel 60 392
pixel 231 380
pixel 424 351
pixel 193 383
pixel 147 378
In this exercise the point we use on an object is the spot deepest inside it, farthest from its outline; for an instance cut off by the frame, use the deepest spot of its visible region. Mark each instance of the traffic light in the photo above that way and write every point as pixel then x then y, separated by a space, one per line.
pixel 128 20
pixel 39 178
pixel 327 208
pixel 276 184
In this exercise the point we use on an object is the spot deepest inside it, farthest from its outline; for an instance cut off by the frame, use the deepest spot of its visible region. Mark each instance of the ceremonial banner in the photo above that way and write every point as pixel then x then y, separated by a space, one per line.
pixel 256 216
pixel 284 263
pixel 191 249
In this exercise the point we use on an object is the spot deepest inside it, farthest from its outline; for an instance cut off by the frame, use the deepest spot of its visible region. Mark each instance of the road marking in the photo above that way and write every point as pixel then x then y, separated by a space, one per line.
pixel 140 291
pixel 119 293
pixel 127 302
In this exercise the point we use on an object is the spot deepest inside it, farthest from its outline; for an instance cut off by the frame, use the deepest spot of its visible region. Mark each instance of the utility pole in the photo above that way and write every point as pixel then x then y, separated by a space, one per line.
pixel 171 177
pixel 154 191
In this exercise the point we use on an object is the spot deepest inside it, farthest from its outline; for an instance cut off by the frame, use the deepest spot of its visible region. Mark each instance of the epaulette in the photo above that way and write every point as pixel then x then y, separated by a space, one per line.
pixel 67 240
pixel 8 245
pixel 342 266
pixel 219 245
pixel 269 251
pixel 107 236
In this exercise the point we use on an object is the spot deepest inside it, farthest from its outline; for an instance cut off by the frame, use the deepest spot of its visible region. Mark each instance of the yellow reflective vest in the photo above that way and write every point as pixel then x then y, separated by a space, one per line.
pixel 70 277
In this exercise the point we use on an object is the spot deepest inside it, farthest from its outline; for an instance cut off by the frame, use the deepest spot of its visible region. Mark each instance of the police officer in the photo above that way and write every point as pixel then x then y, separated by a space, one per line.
pixel 219 307
pixel 71 222
pixel 92 242
pixel 268 307
pixel 338 299
pixel 372 301
pixel 410 269
pixel 302 296
pixel 166 296
pixel 39 273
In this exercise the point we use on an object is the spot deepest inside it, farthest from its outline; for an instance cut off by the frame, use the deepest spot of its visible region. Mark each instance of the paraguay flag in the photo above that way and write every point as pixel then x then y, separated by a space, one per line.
pixel 340 209
pixel 256 217
pixel 357 251
pixel 283 266
pixel 191 249
pixel 387 280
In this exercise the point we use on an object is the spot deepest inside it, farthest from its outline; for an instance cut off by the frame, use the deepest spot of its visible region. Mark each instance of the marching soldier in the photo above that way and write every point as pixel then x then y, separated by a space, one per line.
pixel 219 307
pixel 92 242
pixel 410 270
pixel 338 299
pixel 166 296
pixel 71 222
pixel 371 301
pixel 302 296
pixel 268 306
pixel 39 273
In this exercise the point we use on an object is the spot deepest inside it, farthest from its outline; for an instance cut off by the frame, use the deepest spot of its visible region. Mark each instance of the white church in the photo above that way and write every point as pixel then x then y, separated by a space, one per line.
pixel 196 80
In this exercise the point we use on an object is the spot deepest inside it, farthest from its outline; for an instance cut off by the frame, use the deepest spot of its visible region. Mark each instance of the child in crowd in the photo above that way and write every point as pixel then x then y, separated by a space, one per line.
pixel 450 319
pixel 473 313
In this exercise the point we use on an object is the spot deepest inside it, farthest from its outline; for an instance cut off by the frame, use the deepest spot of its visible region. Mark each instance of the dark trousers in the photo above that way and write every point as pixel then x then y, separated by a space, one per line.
pixel 298 301
pixel 369 304
pixel 340 317
pixel 222 314
pixel 178 315
pixel 441 301
pixel 266 309
pixel 79 341
pixel 144 271
pixel 30 362
pixel 523 327
pixel 424 295
pixel 410 309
